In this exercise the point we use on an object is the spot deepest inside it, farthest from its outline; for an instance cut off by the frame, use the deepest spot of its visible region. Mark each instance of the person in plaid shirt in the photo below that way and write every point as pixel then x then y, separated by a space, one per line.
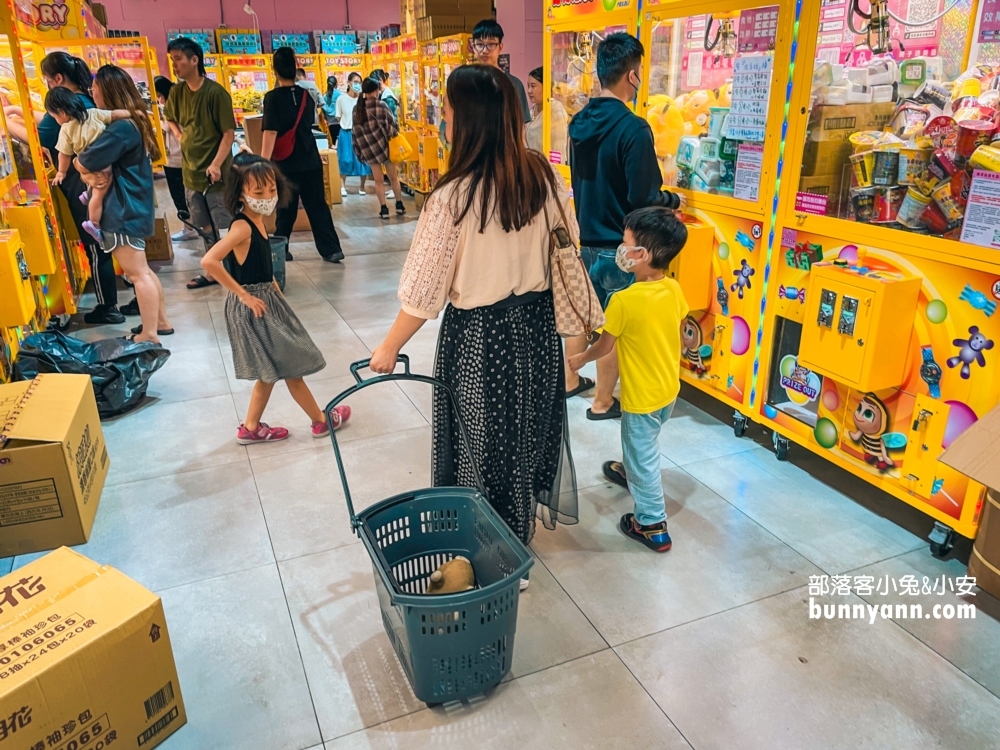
pixel 374 127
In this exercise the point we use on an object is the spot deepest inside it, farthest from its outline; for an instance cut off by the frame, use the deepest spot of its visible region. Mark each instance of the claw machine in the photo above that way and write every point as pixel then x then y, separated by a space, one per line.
pixel 409 106
pixel 213 68
pixel 453 51
pixel 430 114
pixel 573 32
pixel 50 261
pixel 340 66
pixel 247 78
pixel 314 71
pixel 878 343
pixel 391 62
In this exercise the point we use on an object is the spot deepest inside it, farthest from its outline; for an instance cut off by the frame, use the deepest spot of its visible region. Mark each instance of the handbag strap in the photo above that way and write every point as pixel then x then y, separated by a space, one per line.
pixel 302 109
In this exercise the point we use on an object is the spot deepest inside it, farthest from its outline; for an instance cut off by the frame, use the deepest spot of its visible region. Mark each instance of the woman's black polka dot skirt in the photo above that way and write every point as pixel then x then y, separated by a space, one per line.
pixel 506 366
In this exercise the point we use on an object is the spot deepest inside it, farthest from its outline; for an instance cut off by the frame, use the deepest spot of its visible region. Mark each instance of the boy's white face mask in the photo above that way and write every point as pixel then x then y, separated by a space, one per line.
pixel 624 262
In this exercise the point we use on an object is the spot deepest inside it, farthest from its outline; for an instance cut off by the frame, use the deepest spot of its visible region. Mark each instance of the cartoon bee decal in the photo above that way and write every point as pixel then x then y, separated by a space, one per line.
pixel 871 420
pixel 691 343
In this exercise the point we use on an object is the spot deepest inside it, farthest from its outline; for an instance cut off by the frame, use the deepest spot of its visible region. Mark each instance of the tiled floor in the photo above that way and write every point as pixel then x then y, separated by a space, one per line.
pixel 273 614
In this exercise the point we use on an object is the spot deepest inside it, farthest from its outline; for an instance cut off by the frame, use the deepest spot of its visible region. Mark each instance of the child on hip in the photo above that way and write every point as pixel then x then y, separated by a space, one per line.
pixel 269 343
pixel 645 321
pixel 78 128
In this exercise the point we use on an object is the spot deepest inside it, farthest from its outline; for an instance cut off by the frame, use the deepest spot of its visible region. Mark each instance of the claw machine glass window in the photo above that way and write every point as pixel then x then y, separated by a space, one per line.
pixel 573 81
pixel 708 96
pixel 900 119
pixel 248 78
pixel 430 67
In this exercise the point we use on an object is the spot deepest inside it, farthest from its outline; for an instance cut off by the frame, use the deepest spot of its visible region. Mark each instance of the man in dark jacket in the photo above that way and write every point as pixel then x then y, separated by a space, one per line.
pixel 615 172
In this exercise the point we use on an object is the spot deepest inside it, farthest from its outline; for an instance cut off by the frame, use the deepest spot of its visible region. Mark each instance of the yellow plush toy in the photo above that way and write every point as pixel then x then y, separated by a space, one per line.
pixel 665 118
pixel 695 110
pixel 724 95
pixel 452 577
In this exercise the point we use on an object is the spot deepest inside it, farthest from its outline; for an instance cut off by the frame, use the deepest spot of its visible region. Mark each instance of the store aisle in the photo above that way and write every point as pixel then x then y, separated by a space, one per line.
pixel 275 623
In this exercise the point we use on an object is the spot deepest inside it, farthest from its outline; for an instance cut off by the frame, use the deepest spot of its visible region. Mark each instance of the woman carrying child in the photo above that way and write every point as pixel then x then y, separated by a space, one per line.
pixel 79 126
pixel 269 342
pixel 127 145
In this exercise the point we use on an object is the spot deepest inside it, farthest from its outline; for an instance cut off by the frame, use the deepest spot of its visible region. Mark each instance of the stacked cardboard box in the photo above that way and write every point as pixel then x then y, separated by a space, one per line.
pixel 437 18
pixel 159 247
pixel 85 659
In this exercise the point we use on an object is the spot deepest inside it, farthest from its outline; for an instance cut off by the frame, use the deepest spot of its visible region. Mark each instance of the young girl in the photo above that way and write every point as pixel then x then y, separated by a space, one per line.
pixel 79 127
pixel 269 343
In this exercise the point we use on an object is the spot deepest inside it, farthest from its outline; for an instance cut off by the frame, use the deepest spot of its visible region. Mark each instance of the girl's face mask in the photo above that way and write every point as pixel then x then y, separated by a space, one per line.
pixel 356 87
pixel 262 206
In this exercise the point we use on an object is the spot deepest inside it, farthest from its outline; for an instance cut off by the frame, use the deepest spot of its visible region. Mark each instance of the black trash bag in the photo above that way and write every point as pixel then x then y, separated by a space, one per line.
pixel 119 369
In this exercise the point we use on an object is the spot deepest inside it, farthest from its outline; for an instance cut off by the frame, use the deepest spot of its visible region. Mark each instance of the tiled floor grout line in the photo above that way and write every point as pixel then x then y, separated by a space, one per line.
pixel 288 608
pixel 652 698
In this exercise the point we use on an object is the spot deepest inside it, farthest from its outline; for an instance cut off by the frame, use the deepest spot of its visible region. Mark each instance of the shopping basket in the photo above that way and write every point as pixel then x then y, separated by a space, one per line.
pixel 454 645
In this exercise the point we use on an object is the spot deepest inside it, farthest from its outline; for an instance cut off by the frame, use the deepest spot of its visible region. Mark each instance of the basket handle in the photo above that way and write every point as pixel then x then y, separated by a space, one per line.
pixel 363 383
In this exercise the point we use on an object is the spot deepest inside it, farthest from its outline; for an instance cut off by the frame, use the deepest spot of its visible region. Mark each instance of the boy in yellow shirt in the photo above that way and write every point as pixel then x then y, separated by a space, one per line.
pixel 645 321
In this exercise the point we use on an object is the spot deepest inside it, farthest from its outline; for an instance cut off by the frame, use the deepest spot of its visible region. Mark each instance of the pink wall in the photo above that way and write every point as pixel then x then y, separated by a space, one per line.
pixel 152 18
pixel 522 28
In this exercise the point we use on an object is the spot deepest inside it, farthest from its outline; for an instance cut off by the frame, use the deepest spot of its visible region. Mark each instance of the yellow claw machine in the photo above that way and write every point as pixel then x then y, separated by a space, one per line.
pixel 453 51
pixel 247 78
pixel 391 62
pixel 313 68
pixel 425 169
pixel 213 68
pixel 573 32
pixel 878 348
pixel 410 114
pixel 340 66
pixel 44 270
pixel 714 93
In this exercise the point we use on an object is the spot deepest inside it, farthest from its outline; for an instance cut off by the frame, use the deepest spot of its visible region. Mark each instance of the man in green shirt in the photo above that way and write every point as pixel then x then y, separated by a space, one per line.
pixel 199 112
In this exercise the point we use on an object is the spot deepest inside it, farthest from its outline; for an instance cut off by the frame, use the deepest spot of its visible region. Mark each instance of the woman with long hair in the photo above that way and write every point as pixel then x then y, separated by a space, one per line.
pixel 287 107
pixel 374 127
pixel 330 107
pixel 128 146
pixel 482 245
pixel 349 164
pixel 62 69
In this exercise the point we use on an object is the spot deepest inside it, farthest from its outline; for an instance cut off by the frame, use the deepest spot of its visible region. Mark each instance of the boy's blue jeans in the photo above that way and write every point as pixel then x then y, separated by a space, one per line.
pixel 641 447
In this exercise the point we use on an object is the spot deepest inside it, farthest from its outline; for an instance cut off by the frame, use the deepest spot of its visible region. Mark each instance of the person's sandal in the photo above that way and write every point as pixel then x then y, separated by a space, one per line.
pixel 161 332
pixel 583 386
pixel 615 412
pixel 614 472
pixel 200 282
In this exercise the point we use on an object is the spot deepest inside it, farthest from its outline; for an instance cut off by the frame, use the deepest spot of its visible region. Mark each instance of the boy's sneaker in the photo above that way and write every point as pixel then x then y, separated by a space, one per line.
pixel 339 417
pixel 263 434
pixel 655 537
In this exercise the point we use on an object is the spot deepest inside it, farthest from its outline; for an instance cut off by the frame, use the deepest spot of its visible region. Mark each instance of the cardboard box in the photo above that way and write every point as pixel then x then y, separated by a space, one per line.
pixel 479 8
pixel 839 122
pixel 253 131
pixel 159 247
pixel 85 659
pixel 433 27
pixel 828 185
pixel 975 453
pixel 331 176
pixel 53 463
pixel 825 157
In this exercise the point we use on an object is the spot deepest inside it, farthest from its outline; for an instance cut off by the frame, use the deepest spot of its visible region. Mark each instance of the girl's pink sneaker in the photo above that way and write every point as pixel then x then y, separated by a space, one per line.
pixel 339 416
pixel 263 434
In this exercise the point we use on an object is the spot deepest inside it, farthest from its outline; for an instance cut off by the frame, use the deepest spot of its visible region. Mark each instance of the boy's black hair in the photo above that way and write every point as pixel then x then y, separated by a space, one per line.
pixel 488 28
pixel 60 99
pixel 283 61
pixel 163 86
pixel 660 231
pixel 300 72
pixel 190 48
pixel 616 56
pixel 250 168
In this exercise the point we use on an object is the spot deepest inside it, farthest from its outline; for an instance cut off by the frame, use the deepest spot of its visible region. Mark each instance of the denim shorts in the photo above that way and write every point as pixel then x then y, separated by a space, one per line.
pixel 605 274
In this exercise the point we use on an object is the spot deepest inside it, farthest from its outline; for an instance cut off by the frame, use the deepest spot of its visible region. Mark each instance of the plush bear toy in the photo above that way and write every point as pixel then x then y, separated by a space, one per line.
pixel 452 577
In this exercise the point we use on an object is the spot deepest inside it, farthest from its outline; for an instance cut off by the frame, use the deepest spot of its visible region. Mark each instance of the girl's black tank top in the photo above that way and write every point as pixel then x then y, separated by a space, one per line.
pixel 257 267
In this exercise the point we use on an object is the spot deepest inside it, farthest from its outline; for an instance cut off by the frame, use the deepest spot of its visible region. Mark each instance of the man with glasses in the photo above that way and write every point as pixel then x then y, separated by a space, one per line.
pixel 487 42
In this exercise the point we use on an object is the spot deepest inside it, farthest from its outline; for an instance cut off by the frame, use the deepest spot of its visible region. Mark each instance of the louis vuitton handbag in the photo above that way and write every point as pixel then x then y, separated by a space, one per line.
pixel 578 310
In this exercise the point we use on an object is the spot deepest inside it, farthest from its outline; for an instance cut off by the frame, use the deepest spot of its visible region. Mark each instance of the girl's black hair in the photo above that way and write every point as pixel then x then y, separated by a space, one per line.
pixel 353 76
pixel 331 84
pixel 163 86
pixel 537 74
pixel 72 69
pixel 253 169
pixel 284 63
pixel 60 99
pixel 368 86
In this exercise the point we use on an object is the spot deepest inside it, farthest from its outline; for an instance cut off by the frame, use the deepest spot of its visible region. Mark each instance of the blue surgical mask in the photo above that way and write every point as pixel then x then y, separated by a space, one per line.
pixel 356 87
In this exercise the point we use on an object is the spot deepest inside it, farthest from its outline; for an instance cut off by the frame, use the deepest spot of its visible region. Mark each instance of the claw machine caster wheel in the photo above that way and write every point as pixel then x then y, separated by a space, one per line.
pixel 740 424
pixel 942 539
pixel 781 446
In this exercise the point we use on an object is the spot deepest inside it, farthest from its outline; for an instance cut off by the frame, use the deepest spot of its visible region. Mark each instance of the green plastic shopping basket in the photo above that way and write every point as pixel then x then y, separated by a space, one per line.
pixel 455 645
